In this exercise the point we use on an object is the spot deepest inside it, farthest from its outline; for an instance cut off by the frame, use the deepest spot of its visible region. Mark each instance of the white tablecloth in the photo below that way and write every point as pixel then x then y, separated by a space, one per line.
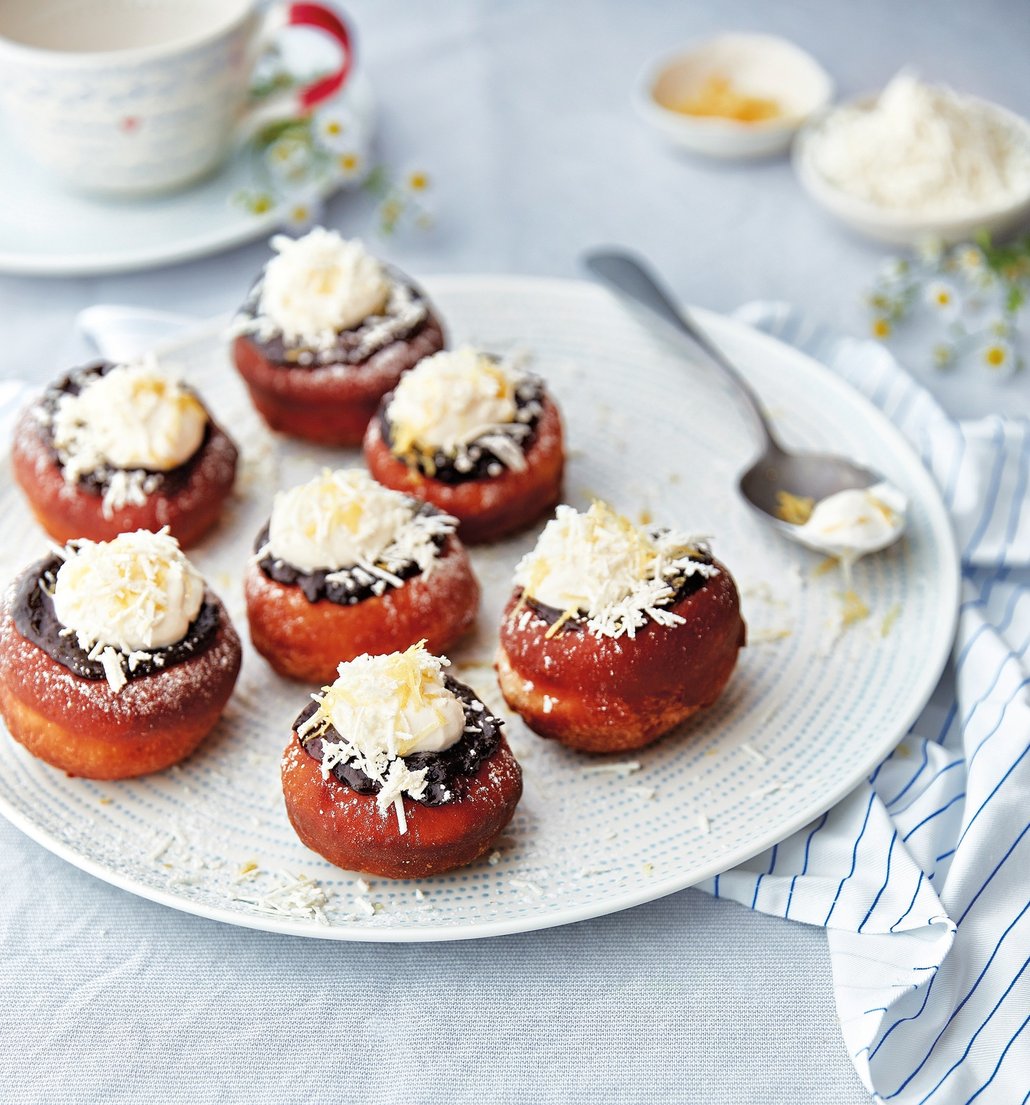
pixel 520 112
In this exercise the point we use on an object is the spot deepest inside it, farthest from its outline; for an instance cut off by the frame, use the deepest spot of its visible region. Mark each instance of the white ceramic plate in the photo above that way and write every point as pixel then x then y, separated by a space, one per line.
pixel 47 230
pixel 808 713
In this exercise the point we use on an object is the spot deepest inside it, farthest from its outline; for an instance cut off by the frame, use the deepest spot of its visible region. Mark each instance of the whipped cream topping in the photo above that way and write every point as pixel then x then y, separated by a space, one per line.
pixel 854 523
pixel 133 594
pixel 598 564
pixel 335 520
pixel 383 708
pixel 454 398
pixel 136 416
pixel 344 519
pixel 319 285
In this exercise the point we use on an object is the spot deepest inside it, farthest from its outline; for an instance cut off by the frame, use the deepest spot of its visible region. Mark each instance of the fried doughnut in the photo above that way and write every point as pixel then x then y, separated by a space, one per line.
pixel 614 634
pixel 187 498
pixel 326 332
pixel 438 802
pixel 493 486
pixel 345 567
pixel 83 725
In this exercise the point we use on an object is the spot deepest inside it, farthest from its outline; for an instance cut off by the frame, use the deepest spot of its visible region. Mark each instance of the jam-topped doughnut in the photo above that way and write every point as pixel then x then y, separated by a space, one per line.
pixel 325 333
pixel 398 770
pixel 615 634
pixel 115 660
pixel 477 436
pixel 346 566
pixel 109 449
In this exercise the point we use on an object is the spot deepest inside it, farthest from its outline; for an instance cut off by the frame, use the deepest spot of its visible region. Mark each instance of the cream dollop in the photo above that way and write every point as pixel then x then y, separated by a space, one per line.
pixel 135 593
pixel 450 399
pixel 600 564
pixel 384 708
pixel 856 522
pixel 336 520
pixel 136 416
pixel 319 285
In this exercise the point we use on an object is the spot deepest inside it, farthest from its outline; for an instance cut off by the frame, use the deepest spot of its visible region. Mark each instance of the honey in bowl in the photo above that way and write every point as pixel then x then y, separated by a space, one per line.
pixel 719 98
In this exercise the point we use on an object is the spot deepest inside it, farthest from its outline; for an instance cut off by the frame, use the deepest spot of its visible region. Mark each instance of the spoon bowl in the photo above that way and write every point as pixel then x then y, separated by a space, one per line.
pixel 814 476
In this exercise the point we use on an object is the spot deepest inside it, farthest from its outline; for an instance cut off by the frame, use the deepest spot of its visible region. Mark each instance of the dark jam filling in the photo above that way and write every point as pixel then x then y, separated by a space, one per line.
pixel 476 462
pixel 35 619
pixel 168 480
pixel 683 585
pixel 355 584
pixel 352 347
pixel 445 771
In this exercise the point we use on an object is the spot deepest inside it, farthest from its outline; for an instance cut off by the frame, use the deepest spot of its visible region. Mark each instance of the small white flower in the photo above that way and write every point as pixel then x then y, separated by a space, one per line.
pixel 350 165
pixel 301 211
pixel 333 130
pixel 1000 357
pixel 943 298
pixel 288 158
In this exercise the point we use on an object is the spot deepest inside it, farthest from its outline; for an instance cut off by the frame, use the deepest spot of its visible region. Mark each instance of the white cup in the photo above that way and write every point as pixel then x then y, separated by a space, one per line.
pixel 128 97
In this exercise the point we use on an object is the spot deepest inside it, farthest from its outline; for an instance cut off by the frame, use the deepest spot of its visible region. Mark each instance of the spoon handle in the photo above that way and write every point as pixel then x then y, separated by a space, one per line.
pixel 631 276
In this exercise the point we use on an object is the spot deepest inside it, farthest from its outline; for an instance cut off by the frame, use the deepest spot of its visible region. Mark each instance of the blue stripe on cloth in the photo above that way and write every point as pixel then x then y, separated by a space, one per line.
pixel 854 858
pixel 946 836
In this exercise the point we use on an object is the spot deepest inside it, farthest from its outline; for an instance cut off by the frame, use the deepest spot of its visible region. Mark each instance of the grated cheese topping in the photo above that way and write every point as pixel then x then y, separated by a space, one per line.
pixel 923 149
pixel 138 419
pixel 598 565
pixel 383 708
pixel 319 285
pixel 343 519
pixel 459 398
pixel 125 597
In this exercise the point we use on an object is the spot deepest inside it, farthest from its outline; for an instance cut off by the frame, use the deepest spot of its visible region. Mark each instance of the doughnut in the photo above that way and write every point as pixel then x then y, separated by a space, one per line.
pixel 325 333
pixel 477 438
pixel 650 653
pixel 132 714
pixel 107 499
pixel 444 807
pixel 304 623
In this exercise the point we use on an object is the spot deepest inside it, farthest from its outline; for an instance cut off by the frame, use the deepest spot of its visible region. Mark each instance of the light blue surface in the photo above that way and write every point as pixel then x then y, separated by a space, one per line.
pixel 520 111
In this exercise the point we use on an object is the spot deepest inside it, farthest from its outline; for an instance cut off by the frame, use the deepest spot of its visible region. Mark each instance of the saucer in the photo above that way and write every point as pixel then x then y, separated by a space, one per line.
pixel 46 230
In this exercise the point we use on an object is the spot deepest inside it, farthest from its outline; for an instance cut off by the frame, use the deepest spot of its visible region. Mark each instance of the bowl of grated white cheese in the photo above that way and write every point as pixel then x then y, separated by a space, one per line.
pixel 919 161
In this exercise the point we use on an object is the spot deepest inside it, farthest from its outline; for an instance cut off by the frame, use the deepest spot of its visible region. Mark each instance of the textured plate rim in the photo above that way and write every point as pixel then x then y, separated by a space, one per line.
pixel 719 326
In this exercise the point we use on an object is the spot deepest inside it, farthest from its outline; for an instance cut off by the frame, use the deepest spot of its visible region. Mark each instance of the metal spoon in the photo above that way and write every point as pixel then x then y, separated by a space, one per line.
pixel 806 475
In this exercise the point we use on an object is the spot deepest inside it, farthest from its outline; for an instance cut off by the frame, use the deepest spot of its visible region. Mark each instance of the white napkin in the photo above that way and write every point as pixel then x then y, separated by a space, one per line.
pixel 922 875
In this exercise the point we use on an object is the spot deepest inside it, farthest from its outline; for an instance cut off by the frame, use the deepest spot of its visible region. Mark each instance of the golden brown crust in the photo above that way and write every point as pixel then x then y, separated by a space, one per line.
pixel 601 694
pixel 67 512
pixel 330 404
pixel 349 831
pixel 488 508
pixel 308 640
pixel 84 728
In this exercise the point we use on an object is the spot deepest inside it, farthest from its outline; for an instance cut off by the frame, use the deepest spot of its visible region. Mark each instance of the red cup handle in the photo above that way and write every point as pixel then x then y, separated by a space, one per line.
pixel 324 19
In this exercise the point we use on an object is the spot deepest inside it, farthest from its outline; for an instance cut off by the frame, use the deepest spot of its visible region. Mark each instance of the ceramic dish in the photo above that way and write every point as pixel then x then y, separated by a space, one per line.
pixel 46 230
pixel 900 227
pixel 807 715
pixel 757 65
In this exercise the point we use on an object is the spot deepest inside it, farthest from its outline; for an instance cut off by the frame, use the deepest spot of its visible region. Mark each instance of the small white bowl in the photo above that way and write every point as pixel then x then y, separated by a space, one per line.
pixel 884 224
pixel 757 65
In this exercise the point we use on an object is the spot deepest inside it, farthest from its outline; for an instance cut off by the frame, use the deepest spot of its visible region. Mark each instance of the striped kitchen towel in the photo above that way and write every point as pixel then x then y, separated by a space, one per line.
pixel 922 875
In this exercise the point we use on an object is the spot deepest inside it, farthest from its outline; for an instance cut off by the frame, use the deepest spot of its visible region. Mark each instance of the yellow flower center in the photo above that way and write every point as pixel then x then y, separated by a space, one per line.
pixel 418 181
pixel 995 356
pixel 881 328
pixel 348 162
